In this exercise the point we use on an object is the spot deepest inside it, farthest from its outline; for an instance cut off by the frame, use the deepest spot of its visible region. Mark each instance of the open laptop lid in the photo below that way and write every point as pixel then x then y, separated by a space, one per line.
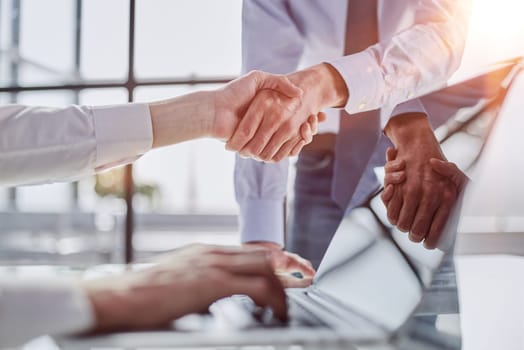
pixel 373 269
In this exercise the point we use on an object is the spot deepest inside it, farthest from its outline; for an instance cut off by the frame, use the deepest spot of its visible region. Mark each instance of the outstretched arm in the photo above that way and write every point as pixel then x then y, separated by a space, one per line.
pixel 41 145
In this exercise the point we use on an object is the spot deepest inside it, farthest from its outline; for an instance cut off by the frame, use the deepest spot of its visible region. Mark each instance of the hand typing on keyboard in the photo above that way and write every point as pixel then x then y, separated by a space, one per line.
pixel 241 312
pixel 185 281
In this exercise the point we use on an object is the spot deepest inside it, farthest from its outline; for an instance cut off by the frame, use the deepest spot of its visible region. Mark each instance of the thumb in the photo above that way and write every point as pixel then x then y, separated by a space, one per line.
pixel 391 154
pixel 279 83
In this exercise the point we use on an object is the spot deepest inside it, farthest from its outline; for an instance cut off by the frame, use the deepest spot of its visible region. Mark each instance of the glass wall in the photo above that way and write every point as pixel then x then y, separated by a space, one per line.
pixel 59 52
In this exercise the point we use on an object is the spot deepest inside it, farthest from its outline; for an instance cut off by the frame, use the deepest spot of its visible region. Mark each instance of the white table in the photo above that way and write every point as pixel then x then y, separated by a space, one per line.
pixel 491 293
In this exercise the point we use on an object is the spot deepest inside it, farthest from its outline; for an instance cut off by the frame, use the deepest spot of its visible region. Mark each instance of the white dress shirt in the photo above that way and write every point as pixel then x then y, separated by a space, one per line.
pixel 41 145
pixel 421 44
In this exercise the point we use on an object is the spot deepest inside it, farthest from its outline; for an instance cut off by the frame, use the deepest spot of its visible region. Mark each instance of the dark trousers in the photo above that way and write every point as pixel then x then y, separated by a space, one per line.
pixel 314 215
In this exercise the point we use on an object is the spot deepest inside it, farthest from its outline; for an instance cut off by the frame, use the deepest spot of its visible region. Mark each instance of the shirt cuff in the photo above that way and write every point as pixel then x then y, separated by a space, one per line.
pixel 262 220
pixel 411 106
pixel 122 132
pixel 35 308
pixel 363 79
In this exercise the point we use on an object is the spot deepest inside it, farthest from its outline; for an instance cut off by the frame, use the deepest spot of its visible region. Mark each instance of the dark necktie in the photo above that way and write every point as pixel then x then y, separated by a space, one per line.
pixel 359 133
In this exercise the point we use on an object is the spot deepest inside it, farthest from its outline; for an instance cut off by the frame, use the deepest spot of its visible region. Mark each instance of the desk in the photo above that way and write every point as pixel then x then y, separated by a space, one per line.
pixel 491 294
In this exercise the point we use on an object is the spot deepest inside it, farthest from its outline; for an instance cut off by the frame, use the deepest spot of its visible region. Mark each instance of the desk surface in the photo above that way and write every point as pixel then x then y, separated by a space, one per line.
pixel 491 294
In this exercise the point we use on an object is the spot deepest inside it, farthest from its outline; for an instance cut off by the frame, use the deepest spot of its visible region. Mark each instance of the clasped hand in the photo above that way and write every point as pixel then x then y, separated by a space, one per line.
pixel 421 187
pixel 270 117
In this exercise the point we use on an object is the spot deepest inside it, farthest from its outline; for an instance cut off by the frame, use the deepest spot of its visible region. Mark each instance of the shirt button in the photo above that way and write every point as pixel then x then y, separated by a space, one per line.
pixel 361 106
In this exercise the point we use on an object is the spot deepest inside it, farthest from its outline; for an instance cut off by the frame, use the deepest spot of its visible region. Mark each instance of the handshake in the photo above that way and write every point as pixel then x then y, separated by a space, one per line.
pixel 270 117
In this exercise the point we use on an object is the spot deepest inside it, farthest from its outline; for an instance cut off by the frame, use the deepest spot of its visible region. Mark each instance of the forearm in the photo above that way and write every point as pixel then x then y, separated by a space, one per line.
pixel 182 118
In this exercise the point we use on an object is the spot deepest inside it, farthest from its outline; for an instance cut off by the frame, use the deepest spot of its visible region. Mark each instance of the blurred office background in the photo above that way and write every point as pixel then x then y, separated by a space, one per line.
pixel 59 52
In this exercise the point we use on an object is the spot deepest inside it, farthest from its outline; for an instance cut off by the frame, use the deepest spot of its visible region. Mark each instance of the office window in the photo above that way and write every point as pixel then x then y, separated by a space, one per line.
pixel 81 55
pixel 193 177
pixel 197 38
pixel 105 27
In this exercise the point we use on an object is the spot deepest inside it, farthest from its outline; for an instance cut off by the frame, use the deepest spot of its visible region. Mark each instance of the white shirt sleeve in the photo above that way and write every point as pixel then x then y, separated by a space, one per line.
pixel 260 192
pixel 261 187
pixel 31 308
pixel 43 145
pixel 412 63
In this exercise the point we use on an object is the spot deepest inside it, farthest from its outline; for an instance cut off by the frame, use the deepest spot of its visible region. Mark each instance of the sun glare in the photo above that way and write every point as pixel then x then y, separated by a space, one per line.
pixel 496 32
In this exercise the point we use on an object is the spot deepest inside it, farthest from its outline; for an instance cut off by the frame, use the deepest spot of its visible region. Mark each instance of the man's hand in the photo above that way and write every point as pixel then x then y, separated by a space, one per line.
pixel 233 100
pixel 422 203
pixel 185 281
pixel 285 264
pixel 451 172
pixel 270 129
pixel 396 174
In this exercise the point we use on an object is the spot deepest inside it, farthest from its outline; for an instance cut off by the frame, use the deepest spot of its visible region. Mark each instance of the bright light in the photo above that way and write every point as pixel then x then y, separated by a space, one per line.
pixel 496 33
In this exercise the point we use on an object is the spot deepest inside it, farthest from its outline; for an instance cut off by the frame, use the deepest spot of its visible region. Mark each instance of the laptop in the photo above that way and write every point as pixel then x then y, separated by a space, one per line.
pixel 368 286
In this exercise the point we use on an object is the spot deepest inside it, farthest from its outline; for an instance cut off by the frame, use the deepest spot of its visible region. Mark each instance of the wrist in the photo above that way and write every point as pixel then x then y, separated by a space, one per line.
pixel 408 128
pixel 413 136
pixel 110 306
pixel 182 118
pixel 325 83
pixel 223 122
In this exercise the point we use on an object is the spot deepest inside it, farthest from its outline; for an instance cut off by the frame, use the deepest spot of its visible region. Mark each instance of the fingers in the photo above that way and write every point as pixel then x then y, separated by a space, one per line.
pixel 283 261
pixel 296 150
pixel 287 149
pixel 450 171
pixel 281 136
pixel 290 281
pixel 321 117
pixel 395 178
pixel 395 166
pixel 251 273
pixel 247 127
pixel 288 262
pixel 279 83
pixel 314 120
pixel 391 154
pixel 387 194
pixel 408 211
pixel 266 290
pixel 253 262
pixel 276 122
pixel 437 226
pixel 394 207
pixel 424 218
pixel 308 129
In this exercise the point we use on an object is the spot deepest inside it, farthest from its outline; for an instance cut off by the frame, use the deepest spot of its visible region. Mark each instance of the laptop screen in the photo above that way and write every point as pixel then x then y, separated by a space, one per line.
pixel 373 269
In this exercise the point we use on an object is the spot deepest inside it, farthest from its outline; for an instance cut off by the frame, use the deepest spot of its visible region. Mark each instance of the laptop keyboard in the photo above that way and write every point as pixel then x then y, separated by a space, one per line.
pixel 242 312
